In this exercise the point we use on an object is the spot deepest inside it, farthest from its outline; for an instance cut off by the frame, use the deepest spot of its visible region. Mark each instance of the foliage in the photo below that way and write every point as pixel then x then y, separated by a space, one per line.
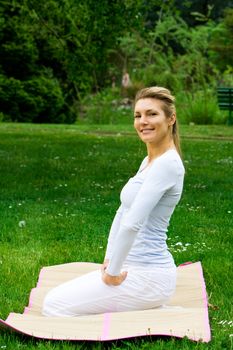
pixel 221 43
pixel 200 107
pixel 178 57
pixel 68 39
pixel 170 55
pixel 55 54
pixel 39 99
pixel 110 107
pixel 106 107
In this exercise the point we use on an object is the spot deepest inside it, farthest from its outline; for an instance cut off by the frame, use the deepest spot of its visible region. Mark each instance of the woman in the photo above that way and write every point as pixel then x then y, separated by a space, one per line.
pixel 138 271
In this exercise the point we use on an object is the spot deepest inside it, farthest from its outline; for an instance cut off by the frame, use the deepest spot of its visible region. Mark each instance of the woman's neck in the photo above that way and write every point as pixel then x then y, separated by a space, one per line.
pixel 156 151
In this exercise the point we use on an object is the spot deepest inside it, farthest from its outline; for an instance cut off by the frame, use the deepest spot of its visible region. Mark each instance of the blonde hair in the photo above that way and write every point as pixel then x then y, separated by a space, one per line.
pixel 168 106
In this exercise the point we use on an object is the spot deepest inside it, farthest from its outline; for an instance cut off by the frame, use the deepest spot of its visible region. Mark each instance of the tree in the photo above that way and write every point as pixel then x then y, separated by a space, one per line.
pixel 64 43
pixel 221 44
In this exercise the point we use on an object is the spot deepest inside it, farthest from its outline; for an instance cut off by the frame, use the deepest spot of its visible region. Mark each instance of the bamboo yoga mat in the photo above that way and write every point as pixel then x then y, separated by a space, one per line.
pixel 186 315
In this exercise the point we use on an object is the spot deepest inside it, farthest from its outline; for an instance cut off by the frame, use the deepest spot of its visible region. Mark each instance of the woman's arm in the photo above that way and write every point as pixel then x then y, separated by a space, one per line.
pixel 110 280
pixel 113 232
pixel 161 177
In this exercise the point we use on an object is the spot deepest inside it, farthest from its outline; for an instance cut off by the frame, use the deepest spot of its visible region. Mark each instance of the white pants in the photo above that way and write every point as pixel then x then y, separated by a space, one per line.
pixel 143 288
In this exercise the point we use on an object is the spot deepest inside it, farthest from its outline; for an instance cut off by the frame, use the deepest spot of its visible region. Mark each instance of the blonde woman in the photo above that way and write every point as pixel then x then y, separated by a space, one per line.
pixel 138 271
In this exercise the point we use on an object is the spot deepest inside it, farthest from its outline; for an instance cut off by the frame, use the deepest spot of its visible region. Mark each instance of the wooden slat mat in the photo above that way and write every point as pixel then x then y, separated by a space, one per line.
pixel 185 315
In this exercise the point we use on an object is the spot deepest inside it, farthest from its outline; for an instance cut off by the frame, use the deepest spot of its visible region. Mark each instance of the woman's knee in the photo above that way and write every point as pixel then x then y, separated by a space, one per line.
pixel 48 307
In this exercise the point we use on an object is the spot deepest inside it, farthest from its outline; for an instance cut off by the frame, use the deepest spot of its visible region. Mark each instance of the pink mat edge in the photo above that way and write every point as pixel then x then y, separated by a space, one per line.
pixel 107 317
pixel 205 299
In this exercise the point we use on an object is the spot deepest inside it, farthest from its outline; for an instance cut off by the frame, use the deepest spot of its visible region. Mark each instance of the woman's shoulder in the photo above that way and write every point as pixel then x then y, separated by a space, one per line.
pixel 143 164
pixel 170 161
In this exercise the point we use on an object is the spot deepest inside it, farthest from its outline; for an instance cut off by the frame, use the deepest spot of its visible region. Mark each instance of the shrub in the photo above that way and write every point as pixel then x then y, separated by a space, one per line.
pixel 38 100
pixel 106 107
pixel 130 91
pixel 199 108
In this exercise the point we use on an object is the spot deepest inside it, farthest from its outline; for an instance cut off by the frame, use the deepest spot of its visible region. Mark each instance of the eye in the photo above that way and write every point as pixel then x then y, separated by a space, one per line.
pixel 153 113
pixel 137 116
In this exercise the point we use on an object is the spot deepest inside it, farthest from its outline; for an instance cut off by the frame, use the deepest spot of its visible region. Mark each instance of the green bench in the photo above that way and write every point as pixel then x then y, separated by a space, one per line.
pixel 225 102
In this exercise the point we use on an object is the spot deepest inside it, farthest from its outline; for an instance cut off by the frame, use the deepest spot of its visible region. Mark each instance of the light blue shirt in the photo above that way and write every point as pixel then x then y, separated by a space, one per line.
pixel 139 230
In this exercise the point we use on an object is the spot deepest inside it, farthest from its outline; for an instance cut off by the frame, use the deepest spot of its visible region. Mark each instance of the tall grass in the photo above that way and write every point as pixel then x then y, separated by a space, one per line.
pixel 64 186
pixel 111 106
pixel 200 107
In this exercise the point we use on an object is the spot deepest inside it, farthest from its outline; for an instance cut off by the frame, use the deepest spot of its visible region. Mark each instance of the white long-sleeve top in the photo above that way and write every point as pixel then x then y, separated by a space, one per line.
pixel 138 232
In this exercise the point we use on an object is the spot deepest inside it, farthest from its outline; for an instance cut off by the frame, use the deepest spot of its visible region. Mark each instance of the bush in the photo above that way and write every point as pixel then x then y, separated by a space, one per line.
pixel 199 108
pixel 38 100
pixel 106 107
pixel 131 90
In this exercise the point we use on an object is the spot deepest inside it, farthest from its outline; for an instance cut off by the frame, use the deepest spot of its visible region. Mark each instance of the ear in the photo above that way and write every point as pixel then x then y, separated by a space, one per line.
pixel 172 120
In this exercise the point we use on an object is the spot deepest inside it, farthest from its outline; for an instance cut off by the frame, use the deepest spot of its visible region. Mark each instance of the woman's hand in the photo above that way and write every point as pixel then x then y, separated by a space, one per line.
pixel 104 265
pixel 113 280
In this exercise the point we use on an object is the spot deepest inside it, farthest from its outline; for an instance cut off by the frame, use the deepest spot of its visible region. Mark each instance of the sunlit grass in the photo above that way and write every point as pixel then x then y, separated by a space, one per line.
pixel 59 192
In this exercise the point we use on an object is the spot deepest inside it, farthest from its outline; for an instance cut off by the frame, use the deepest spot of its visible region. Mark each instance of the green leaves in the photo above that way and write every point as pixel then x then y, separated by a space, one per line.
pixel 69 49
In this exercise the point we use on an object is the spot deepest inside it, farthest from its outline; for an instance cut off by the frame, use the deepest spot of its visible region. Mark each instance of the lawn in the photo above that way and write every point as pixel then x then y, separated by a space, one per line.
pixel 59 191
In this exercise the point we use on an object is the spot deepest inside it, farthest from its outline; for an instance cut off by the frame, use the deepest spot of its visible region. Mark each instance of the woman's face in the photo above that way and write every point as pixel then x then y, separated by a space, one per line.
pixel 150 121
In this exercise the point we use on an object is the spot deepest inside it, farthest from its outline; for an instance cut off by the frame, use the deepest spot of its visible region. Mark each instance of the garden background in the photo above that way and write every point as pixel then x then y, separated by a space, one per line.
pixel 62 62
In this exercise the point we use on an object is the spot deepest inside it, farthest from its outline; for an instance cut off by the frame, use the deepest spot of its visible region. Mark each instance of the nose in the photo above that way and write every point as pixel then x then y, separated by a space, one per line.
pixel 143 119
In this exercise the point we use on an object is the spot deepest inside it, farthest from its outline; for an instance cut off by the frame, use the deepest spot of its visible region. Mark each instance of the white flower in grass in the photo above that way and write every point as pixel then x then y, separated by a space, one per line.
pixel 229 211
pixel 22 223
pixel 226 323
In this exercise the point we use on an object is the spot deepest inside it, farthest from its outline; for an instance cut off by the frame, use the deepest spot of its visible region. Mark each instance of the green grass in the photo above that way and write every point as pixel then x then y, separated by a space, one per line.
pixel 64 182
pixel 186 131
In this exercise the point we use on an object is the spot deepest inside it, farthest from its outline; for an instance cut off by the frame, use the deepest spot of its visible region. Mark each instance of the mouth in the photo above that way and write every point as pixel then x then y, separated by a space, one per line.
pixel 146 130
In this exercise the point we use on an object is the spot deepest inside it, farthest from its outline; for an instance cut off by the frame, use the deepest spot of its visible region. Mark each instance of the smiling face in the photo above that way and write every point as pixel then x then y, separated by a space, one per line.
pixel 151 123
